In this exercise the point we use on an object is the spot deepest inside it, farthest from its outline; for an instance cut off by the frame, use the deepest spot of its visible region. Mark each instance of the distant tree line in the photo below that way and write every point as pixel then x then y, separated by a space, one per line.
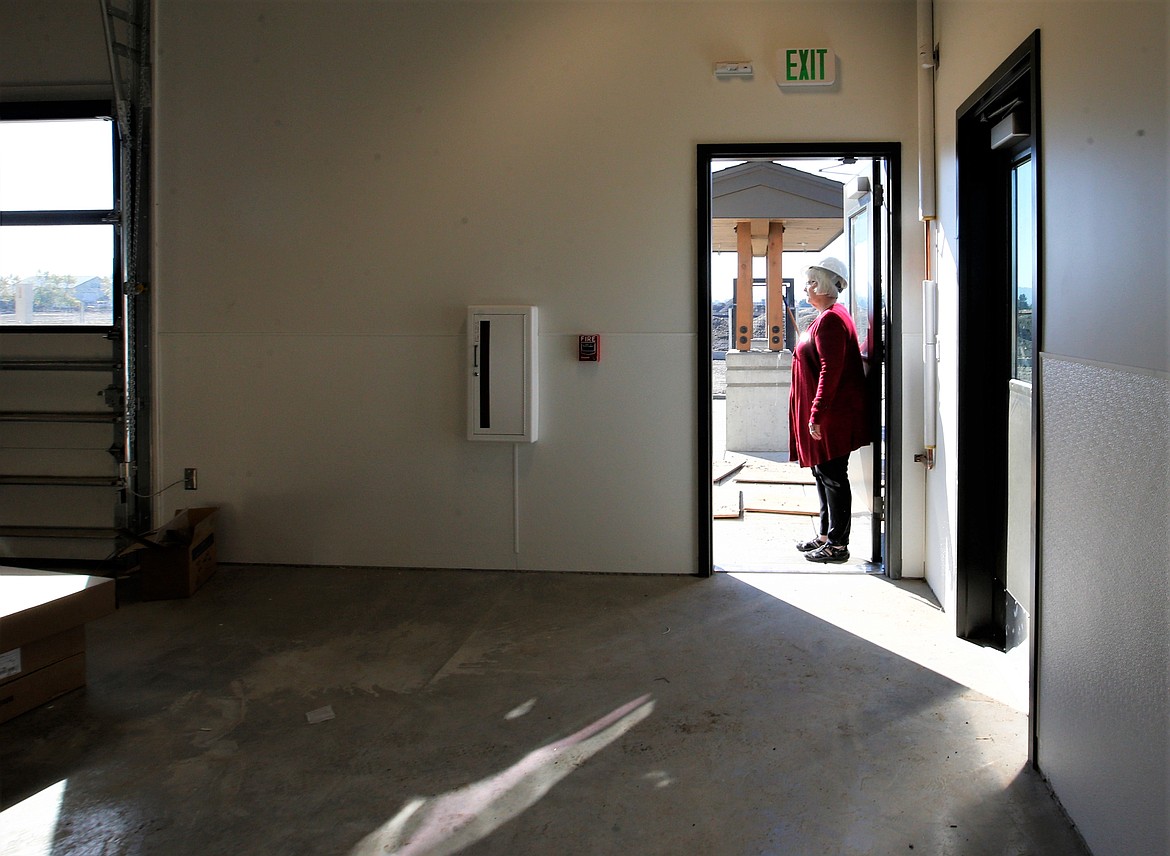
pixel 54 292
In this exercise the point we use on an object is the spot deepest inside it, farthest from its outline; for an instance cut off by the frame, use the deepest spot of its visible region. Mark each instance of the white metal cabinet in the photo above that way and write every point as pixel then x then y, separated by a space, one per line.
pixel 502 373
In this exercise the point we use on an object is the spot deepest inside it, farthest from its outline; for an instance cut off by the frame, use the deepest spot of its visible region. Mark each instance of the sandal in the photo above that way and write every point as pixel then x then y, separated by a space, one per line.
pixel 829 553
pixel 810 545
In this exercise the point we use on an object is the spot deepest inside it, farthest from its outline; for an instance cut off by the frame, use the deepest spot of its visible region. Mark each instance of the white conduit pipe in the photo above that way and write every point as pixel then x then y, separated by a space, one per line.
pixel 930 369
pixel 516 499
pixel 926 200
pixel 927 213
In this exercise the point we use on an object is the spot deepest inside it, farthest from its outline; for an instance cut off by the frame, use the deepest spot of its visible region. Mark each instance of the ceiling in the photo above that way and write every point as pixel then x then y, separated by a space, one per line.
pixel 800 234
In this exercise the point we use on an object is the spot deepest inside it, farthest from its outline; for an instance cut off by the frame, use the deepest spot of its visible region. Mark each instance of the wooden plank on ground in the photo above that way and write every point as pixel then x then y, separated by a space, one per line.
pixel 784 505
pixel 721 471
pixel 777 472
pixel 727 503
pixel 766 478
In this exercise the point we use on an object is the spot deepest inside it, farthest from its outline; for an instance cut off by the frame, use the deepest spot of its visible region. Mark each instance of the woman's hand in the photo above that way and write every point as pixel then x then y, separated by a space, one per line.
pixel 814 430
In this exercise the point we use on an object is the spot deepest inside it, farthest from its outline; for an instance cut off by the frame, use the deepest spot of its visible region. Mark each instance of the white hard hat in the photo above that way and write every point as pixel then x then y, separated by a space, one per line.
pixel 836 267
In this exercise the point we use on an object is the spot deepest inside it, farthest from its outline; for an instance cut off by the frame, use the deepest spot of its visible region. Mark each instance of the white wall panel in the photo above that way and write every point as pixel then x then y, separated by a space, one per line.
pixel 606 496
pixel 337 450
pixel 1105 602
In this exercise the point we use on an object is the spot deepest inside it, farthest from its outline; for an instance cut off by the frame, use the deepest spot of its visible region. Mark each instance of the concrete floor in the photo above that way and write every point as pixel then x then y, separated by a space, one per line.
pixel 759 541
pixel 764 542
pixel 523 713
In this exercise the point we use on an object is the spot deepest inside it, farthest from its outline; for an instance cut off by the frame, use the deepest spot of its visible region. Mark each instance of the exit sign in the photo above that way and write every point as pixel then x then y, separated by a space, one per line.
pixel 807 67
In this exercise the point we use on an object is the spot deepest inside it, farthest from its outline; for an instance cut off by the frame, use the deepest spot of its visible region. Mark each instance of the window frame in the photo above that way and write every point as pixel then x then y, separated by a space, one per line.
pixel 1022 202
pixel 48 111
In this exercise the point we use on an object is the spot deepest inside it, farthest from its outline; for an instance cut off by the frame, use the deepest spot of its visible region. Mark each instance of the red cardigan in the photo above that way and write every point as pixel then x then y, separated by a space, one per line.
pixel 828 387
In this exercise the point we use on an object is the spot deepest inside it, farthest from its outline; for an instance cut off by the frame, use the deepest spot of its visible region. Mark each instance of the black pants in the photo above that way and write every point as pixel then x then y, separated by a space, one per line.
pixel 836 499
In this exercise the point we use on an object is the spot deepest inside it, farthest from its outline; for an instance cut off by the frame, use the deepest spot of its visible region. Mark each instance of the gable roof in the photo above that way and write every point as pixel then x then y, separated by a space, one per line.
pixel 811 207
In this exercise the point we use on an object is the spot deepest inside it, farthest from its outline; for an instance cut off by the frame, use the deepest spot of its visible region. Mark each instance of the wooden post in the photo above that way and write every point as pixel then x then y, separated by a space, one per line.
pixel 775 286
pixel 742 334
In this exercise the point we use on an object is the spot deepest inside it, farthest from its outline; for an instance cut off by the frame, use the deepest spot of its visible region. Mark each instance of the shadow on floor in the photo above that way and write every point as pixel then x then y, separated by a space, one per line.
pixel 767 726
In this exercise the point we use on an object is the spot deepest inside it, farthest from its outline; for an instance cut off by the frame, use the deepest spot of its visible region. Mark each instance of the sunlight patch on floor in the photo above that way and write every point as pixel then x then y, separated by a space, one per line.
pixel 29 827
pixel 448 823
pixel 903 618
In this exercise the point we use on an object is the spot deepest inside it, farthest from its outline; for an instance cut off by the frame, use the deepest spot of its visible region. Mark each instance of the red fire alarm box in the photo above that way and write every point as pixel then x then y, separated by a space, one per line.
pixel 589 348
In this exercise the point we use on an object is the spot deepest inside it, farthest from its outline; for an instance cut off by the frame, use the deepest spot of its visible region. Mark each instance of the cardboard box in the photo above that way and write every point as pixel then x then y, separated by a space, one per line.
pixel 178 557
pixel 43 685
pixel 42 637
pixel 37 604
pixel 19 662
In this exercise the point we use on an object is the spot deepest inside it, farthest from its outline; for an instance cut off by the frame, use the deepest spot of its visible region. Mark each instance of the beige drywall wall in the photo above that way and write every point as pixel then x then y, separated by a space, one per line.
pixel 53 50
pixel 335 183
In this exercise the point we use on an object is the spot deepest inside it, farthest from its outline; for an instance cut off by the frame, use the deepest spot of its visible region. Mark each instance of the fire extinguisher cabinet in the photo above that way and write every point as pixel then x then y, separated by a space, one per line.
pixel 502 373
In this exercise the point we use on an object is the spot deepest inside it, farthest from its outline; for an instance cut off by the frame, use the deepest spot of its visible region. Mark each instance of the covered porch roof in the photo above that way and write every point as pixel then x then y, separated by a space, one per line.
pixel 762 192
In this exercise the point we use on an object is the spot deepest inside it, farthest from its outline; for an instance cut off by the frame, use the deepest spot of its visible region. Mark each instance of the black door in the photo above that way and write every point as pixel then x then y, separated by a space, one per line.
pixel 998 302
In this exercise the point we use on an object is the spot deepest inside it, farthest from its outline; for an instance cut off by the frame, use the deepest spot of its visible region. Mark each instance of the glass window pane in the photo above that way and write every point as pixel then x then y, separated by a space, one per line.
pixel 1024 298
pixel 56 275
pixel 57 165
pixel 860 288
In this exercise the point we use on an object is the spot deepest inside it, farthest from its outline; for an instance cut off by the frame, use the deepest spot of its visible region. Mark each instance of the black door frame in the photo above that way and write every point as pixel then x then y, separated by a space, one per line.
pixel 984 336
pixel 891 153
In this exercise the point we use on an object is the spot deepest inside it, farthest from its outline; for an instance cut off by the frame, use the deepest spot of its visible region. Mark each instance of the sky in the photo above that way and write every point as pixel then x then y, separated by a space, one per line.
pixel 56 165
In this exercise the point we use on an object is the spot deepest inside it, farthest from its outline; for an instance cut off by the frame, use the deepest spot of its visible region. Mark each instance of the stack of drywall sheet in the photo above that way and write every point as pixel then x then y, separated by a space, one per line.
pixel 42 633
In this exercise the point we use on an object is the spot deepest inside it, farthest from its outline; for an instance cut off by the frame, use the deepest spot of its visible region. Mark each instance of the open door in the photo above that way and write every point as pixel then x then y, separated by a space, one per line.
pixel 866 214
pixel 999 295
pixel 866 177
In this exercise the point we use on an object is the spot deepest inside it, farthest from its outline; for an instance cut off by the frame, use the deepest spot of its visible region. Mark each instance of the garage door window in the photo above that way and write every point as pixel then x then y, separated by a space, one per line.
pixel 57 223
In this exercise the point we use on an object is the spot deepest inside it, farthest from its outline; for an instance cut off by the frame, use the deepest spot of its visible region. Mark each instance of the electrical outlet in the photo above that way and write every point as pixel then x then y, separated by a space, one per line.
pixel 190 479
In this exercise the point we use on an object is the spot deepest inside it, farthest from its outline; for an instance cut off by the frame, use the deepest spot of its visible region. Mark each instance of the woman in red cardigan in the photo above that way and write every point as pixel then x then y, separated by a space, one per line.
pixel 826 408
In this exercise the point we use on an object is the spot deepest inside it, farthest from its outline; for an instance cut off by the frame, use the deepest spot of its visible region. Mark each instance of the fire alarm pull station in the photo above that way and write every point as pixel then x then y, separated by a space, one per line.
pixel 589 348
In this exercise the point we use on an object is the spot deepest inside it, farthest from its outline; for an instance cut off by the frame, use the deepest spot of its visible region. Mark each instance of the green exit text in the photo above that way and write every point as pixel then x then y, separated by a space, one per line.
pixel 811 65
